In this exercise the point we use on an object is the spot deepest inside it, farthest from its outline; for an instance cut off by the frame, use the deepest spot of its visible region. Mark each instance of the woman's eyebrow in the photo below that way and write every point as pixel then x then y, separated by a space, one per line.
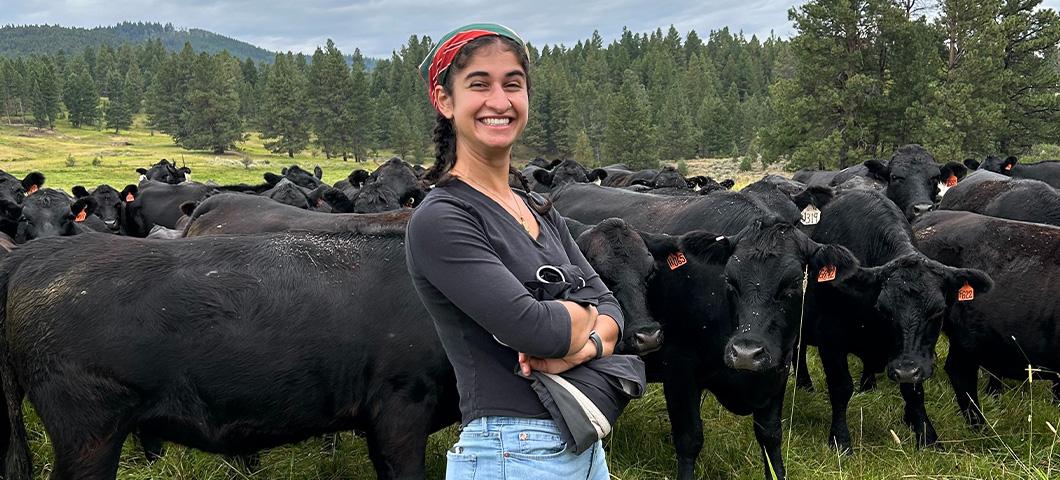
pixel 513 73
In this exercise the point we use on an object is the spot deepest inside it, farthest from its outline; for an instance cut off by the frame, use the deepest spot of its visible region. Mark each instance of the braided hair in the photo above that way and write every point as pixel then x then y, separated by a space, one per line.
pixel 444 134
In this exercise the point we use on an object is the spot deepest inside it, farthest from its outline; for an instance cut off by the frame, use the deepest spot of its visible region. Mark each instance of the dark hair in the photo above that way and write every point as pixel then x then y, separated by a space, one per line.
pixel 444 133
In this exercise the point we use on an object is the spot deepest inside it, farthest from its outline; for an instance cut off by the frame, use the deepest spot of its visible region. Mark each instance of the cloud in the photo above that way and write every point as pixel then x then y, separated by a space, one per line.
pixel 378 27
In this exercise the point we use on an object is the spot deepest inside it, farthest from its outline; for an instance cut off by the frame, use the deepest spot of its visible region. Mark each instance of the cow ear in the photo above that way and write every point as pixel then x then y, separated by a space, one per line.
pixel 1009 163
pixel 728 183
pixel 129 193
pixel 597 174
pixel 358 177
pixel 84 204
pixel 272 178
pixel 831 262
pixel 187 208
pixel 553 164
pixel 338 200
pixel 971 163
pixel 318 172
pixel 79 191
pixel 966 283
pixel 141 171
pixel 952 169
pixel 817 195
pixel 863 283
pixel 706 247
pixel 878 170
pixel 33 181
pixel 543 177
pixel 283 171
pixel 660 245
pixel 186 170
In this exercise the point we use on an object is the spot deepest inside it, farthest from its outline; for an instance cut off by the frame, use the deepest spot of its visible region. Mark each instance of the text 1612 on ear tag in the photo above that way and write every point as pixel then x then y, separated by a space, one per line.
pixel 827 273
pixel 965 293
pixel 676 259
pixel 810 215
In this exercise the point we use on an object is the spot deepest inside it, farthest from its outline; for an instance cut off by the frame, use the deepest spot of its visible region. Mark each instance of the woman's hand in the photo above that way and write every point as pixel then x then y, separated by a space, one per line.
pixel 556 365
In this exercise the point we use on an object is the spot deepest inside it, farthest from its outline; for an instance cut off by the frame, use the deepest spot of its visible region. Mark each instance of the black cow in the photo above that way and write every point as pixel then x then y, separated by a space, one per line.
pixel 1015 199
pixel 888 314
pixel 109 202
pixel 816 177
pixel 353 182
pixel 391 186
pixel 619 177
pixel 165 172
pixel 1012 327
pixel 12 192
pixel 50 212
pixel 1047 171
pixel 563 173
pixel 746 302
pixel 158 203
pixel 226 353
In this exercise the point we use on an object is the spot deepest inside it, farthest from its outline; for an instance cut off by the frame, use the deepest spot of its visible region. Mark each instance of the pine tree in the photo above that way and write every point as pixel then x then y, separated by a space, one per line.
pixel 211 113
pixel 360 118
pixel 133 90
pixel 285 108
pixel 630 137
pixel 45 94
pixel 330 80
pixel 80 96
pixel 674 129
pixel 119 105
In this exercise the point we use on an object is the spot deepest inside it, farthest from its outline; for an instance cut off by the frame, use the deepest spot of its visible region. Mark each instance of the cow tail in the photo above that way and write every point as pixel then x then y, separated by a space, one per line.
pixel 13 443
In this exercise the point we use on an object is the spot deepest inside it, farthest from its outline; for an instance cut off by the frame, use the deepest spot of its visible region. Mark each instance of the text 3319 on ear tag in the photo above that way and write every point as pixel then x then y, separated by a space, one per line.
pixel 965 293
pixel 810 215
pixel 827 273
pixel 675 260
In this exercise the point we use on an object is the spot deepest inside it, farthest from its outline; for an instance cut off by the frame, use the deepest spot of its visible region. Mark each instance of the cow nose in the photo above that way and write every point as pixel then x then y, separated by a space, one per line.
pixel 111 224
pixel 921 208
pixel 907 374
pixel 744 355
pixel 647 342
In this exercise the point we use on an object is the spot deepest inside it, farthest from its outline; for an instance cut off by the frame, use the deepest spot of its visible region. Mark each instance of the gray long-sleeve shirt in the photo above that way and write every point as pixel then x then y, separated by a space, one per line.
pixel 469 260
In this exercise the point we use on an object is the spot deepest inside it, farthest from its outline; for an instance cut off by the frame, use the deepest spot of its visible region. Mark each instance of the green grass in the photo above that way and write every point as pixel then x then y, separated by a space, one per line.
pixel 1019 444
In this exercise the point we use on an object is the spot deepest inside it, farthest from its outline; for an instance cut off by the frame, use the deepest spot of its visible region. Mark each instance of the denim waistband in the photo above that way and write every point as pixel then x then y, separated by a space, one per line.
pixel 486 423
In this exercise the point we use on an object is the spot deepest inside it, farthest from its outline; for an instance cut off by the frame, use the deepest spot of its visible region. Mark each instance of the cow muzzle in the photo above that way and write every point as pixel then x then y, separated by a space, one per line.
pixel 645 342
pixel 747 354
pixel 908 371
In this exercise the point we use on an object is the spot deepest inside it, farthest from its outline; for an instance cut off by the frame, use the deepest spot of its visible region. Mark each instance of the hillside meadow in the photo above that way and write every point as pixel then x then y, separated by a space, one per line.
pixel 1020 442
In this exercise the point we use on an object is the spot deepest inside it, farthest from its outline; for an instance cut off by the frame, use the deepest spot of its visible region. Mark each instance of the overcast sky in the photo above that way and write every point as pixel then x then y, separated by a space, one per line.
pixel 378 27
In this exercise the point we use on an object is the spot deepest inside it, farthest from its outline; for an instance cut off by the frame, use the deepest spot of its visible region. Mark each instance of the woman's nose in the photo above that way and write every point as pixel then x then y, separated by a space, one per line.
pixel 498 100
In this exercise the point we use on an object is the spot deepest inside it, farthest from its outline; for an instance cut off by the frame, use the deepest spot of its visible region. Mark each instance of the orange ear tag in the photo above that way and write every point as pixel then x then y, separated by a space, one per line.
pixel 32 190
pixel 951 181
pixel 81 216
pixel 129 197
pixel 1008 166
pixel 827 273
pixel 965 293
pixel 675 260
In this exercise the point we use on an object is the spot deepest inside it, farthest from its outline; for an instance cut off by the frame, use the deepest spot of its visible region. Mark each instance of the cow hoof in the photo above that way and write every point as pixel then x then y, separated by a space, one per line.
pixel 840 445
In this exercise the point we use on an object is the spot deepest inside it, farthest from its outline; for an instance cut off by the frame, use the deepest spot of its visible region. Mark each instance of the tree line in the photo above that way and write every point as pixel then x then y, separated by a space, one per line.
pixel 860 77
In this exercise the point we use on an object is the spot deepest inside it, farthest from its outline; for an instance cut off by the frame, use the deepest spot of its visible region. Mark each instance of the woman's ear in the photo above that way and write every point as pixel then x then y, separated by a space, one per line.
pixel 444 101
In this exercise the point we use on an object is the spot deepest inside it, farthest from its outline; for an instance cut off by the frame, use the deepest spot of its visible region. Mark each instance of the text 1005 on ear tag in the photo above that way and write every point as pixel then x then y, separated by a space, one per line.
pixel 965 293
pixel 810 215
pixel 827 273
pixel 676 259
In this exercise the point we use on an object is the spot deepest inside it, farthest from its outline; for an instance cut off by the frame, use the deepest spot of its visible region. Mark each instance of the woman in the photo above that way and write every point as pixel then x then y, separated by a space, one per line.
pixel 472 246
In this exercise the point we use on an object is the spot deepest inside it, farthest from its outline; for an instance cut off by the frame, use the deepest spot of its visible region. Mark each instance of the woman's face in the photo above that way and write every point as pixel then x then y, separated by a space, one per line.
pixel 489 105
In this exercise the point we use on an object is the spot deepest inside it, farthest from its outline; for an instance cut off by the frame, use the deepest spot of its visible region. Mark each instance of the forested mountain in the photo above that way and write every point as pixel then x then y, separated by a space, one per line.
pixel 49 39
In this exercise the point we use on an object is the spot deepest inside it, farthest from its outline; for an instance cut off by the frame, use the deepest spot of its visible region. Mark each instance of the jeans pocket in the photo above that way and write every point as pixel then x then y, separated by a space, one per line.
pixel 460 466
pixel 538 445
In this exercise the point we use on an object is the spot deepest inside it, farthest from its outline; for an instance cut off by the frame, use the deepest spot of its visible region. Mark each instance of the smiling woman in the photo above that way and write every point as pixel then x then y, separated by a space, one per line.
pixel 472 247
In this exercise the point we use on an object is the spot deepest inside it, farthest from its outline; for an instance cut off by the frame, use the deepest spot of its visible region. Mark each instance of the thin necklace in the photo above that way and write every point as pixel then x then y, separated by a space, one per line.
pixel 514 210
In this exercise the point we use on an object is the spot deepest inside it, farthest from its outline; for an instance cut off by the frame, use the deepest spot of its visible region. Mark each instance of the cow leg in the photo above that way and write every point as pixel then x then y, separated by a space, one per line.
pixel 963 374
pixel 153 447
pixel 98 459
pixel 840 389
pixel 397 442
pixel 916 415
pixel 769 433
pixel 802 370
pixel 994 385
pixel 18 464
pixel 682 404
pixel 867 382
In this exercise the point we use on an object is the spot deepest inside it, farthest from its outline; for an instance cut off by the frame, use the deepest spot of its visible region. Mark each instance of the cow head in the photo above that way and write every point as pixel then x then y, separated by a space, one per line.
pixel 911 293
pixel 764 279
pixel 996 164
pixel 300 177
pixel 567 171
pixel 358 177
pixel 669 177
pixel 392 186
pixel 619 255
pixel 913 178
pixel 166 172
pixel 109 203
pixel 288 193
pixel 50 213
pixel 12 192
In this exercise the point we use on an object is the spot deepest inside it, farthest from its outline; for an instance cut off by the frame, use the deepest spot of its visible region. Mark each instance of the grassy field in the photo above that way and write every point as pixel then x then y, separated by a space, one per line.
pixel 1019 444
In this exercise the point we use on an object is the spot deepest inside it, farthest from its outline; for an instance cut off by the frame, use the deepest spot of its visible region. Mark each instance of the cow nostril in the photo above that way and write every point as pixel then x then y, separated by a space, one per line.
pixel 921 208
pixel 648 342
pixel 909 374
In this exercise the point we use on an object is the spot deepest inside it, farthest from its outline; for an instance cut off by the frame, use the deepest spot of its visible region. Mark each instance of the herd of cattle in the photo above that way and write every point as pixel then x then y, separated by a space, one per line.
pixel 258 315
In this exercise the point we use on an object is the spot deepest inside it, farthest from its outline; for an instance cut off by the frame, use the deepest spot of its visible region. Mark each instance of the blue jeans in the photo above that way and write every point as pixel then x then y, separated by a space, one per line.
pixel 509 448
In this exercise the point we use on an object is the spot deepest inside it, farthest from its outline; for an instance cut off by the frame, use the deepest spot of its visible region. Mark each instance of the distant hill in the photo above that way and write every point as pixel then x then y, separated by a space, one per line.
pixel 47 39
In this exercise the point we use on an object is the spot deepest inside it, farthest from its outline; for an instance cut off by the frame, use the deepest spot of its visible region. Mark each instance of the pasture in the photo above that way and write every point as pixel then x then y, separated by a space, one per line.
pixel 1019 442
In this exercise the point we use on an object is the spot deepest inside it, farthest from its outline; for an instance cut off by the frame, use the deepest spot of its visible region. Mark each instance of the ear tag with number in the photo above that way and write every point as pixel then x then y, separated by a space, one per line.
pixel 81 216
pixel 951 181
pixel 965 293
pixel 129 197
pixel 675 260
pixel 810 215
pixel 827 273
pixel 32 189
pixel 1008 166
